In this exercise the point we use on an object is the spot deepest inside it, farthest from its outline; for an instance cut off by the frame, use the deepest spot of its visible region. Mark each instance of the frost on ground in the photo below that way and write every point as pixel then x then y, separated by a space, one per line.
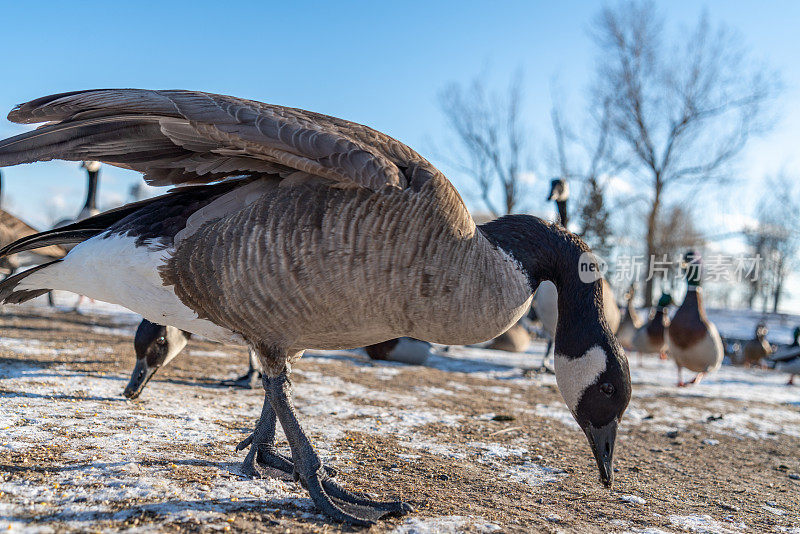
pixel 472 440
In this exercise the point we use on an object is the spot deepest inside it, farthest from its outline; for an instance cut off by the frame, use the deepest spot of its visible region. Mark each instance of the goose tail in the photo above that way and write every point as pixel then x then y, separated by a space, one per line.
pixel 12 293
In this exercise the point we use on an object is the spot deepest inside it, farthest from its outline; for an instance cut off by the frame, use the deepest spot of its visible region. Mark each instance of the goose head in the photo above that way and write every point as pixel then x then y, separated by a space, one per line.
pixel 155 345
pixel 591 368
pixel 559 190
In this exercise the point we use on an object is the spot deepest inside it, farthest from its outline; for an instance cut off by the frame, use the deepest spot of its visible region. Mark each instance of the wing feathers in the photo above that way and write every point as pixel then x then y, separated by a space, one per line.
pixel 189 137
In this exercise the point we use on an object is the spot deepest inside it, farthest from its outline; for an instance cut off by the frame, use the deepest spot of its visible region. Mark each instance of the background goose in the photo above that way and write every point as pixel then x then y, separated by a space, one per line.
pixel 89 208
pixel 788 359
pixel 758 348
pixel 302 253
pixel 693 340
pixel 156 345
pixel 650 338
pixel 13 228
pixel 545 300
pixel 630 322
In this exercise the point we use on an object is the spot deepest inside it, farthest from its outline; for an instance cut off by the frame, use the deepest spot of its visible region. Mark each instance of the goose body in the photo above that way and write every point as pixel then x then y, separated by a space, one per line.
pixel 296 230
pixel 336 318
pixel 694 342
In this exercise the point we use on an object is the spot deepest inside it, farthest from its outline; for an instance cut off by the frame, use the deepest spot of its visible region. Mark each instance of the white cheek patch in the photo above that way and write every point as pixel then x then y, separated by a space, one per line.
pixel 573 376
pixel 176 340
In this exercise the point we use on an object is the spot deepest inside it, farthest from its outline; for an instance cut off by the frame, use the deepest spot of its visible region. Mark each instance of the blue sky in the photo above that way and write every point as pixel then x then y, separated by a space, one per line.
pixel 378 63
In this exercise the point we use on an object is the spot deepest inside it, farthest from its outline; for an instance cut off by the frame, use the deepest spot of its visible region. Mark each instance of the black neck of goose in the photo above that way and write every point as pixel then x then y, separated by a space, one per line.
pixel 91 194
pixel 562 212
pixel 548 252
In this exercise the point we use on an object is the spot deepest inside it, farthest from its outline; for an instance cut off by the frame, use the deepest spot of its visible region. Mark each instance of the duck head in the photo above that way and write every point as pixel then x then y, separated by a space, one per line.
pixel 591 368
pixel 761 331
pixel 155 345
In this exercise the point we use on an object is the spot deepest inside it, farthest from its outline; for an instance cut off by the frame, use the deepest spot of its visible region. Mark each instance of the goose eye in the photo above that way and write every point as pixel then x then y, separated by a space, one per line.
pixel 607 388
pixel 161 340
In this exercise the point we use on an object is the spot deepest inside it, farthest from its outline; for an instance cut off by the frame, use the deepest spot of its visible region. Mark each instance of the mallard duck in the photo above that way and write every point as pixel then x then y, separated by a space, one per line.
pixel 650 337
pixel 788 360
pixel 693 340
pixel 630 322
pixel 294 230
pixel 758 348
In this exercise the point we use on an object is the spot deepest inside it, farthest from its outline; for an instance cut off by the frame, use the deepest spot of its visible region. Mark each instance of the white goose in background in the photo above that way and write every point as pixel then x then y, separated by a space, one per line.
pixel 13 228
pixel 545 300
pixel 290 240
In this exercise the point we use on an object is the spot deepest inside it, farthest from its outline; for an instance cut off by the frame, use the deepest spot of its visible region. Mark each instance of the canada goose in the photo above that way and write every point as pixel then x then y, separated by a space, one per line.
pixel 758 348
pixel 788 360
pixel 650 338
pixel 13 228
pixel 156 345
pixel 326 234
pixel 630 322
pixel 693 340
pixel 545 300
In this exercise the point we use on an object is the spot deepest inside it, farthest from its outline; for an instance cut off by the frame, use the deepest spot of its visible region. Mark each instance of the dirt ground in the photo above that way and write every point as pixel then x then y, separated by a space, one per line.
pixel 474 442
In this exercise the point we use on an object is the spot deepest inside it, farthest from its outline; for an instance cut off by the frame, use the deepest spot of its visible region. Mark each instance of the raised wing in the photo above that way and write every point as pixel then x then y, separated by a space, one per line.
pixel 179 137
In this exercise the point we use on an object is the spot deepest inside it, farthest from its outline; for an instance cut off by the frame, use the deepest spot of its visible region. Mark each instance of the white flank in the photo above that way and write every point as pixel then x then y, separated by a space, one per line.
pixel 113 269
pixel 573 376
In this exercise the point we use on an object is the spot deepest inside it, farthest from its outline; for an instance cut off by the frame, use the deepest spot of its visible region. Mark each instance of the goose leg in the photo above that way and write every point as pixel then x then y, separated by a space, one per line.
pixel 251 378
pixel 263 454
pixel 329 497
pixel 263 457
pixel 681 383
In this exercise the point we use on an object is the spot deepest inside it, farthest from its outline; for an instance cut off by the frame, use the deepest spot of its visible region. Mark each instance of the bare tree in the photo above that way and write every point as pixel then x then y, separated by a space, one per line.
pixel 490 141
pixel 676 234
pixel 683 113
pixel 773 239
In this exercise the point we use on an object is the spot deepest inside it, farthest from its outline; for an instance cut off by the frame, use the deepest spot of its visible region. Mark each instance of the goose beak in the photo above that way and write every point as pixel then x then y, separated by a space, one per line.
pixel 602 441
pixel 141 375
